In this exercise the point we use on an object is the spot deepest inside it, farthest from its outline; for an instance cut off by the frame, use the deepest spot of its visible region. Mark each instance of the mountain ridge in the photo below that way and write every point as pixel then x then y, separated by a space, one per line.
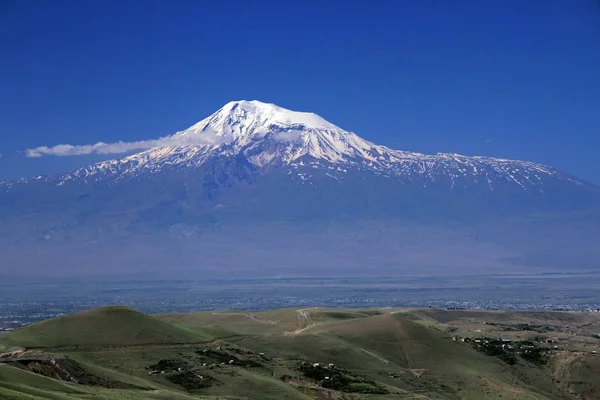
pixel 269 136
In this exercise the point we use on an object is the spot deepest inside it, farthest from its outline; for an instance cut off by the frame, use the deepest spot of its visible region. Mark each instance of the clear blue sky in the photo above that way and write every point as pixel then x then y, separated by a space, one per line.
pixel 508 78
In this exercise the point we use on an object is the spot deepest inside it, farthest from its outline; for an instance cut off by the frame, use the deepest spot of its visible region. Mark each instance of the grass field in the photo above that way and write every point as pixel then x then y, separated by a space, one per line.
pixel 101 327
pixel 119 353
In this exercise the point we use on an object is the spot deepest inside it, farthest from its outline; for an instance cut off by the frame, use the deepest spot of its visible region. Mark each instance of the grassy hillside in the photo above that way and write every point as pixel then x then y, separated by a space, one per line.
pixel 224 323
pixel 100 327
pixel 406 356
pixel 17 384
pixel 229 323
pixel 118 353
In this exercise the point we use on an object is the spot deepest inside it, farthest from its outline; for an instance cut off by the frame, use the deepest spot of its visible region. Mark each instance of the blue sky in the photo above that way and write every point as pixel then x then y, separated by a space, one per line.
pixel 507 78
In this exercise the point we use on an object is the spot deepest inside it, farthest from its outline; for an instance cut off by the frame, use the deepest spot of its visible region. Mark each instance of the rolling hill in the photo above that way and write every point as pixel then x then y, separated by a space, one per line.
pixel 312 353
pixel 103 326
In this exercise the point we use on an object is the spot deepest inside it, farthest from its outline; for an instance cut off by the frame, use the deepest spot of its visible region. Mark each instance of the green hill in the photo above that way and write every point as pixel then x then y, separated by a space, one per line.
pixel 105 326
pixel 318 353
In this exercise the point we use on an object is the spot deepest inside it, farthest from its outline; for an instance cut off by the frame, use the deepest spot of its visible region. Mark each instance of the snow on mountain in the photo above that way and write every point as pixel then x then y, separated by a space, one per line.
pixel 266 133
pixel 255 189
pixel 269 136
pixel 252 120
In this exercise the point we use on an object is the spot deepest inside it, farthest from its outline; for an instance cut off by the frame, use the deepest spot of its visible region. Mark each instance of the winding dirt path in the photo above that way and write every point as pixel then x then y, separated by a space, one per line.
pixel 305 320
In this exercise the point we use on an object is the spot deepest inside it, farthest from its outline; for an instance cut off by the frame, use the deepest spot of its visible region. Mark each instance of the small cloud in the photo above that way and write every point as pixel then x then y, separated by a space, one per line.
pixel 288 136
pixel 61 150
pixel 488 140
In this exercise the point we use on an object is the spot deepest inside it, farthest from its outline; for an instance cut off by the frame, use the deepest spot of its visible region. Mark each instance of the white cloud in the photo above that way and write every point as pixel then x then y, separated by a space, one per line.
pixel 288 136
pixel 205 138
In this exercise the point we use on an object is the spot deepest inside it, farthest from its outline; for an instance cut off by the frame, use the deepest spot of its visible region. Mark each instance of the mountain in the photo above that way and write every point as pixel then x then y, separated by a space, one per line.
pixel 268 137
pixel 262 191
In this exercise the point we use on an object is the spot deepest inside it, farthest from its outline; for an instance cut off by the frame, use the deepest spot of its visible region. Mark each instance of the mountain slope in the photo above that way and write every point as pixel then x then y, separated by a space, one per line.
pixel 268 136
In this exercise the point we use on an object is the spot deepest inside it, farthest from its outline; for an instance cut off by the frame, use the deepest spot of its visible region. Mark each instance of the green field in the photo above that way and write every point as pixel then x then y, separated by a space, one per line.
pixel 119 353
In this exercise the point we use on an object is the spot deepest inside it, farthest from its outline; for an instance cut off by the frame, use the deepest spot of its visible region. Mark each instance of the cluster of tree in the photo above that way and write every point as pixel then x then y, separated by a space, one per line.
pixel 219 356
pixel 509 351
pixel 190 380
pixel 339 379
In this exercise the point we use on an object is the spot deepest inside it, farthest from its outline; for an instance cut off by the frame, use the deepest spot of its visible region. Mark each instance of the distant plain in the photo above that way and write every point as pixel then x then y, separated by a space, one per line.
pixel 31 300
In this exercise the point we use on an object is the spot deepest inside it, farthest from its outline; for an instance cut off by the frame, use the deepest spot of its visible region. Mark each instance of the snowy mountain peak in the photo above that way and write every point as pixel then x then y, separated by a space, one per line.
pixel 253 120
pixel 273 138
pixel 267 134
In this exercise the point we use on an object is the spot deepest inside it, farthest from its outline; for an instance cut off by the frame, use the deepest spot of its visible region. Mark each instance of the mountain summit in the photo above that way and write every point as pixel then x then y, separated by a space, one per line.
pixel 258 190
pixel 269 133
pixel 238 119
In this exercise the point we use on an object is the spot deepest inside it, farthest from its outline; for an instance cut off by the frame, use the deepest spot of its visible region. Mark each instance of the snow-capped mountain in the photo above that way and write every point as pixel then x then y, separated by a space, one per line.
pixel 270 137
pixel 261 190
